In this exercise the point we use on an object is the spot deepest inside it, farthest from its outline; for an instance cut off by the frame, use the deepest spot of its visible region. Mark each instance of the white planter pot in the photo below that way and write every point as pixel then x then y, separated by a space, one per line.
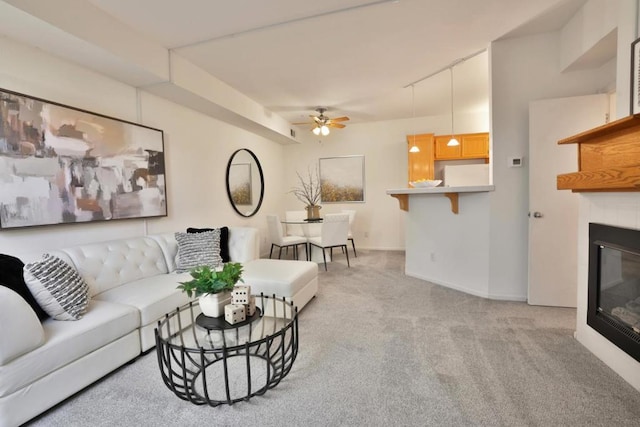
pixel 212 305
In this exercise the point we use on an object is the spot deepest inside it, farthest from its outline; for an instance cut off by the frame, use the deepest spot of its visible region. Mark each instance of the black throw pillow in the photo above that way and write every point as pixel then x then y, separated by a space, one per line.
pixel 11 276
pixel 224 240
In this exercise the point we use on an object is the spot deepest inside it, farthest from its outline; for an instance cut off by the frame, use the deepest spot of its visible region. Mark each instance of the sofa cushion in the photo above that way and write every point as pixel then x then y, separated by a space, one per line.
pixel 57 287
pixel 284 278
pixel 198 249
pixel 152 296
pixel 108 265
pixel 224 240
pixel 11 276
pixel 68 341
pixel 21 328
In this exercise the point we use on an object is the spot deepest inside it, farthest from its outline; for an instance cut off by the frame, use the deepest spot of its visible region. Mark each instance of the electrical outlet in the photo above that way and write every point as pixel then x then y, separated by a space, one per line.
pixel 433 256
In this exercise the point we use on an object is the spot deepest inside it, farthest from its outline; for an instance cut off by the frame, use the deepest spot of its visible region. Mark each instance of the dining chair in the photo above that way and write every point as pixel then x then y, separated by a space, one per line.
pixel 335 228
pixel 294 229
pixel 277 237
pixel 352 217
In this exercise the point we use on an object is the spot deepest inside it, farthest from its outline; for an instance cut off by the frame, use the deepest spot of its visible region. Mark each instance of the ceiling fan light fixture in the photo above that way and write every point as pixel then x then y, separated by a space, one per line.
pixel 316 130
pixel 324 130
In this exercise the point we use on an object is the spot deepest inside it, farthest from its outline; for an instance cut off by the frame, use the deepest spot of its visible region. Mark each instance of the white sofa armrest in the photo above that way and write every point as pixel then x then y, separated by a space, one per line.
pixel 244 244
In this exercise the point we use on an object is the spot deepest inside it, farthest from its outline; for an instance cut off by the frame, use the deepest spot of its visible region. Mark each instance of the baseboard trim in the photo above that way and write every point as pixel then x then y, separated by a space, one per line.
pixel 474 292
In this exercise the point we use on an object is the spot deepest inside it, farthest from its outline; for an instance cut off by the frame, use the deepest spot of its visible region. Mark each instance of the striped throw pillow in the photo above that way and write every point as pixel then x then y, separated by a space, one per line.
pixel 198 249
pixel 57 287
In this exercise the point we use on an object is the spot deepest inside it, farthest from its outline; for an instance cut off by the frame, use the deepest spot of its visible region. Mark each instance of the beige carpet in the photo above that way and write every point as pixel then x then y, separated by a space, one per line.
pixel 378 349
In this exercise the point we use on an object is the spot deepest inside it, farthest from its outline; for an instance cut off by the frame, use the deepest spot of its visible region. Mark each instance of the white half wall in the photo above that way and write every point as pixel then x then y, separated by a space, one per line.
pixel 448 249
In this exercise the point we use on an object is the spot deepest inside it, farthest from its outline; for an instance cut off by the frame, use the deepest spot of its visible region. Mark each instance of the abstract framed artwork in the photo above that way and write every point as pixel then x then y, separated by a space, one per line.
pixel 240 183
pixel 63 165
pixel 635 78
pixel 342 179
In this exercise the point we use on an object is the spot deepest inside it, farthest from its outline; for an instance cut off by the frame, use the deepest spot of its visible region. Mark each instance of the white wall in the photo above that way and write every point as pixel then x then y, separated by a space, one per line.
pixel 385 149
pixel 522 70
pixel 197 149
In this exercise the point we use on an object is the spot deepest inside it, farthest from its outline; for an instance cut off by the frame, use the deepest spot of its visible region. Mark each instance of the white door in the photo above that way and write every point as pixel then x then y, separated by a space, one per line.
pixel 553 214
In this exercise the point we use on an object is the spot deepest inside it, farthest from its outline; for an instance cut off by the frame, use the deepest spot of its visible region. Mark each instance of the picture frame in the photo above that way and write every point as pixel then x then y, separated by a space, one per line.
pixel 64 165
pixel 342 179
pixel 634 97
pixel 240 183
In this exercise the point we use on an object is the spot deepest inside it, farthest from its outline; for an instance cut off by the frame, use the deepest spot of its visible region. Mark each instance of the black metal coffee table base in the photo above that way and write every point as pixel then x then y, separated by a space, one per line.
pixel 223 366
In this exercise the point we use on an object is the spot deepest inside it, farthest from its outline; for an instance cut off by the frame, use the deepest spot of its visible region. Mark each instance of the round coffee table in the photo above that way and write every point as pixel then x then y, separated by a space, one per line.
pixel 210 362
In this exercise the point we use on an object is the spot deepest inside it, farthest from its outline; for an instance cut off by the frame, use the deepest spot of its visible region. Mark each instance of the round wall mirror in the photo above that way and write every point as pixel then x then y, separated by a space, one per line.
pixel 245 182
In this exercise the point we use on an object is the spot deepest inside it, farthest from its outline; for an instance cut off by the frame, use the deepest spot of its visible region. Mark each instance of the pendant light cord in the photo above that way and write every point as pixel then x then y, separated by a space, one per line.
pixel 413 112
pixel 451 102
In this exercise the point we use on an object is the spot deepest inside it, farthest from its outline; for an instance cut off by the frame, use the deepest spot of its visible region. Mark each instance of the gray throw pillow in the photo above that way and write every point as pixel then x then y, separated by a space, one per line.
pixel 198 249
pixel 57 287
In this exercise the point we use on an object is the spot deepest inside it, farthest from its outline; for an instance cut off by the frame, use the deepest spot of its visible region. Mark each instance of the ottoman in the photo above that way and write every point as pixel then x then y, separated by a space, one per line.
pixel 297 281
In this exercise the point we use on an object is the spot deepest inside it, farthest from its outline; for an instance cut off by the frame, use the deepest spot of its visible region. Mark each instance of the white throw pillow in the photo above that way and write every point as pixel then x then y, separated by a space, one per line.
pixel 57 287
pixel 198 249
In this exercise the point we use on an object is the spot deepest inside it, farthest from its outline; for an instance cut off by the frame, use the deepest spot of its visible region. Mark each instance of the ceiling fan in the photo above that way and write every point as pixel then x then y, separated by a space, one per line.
pixel 322 123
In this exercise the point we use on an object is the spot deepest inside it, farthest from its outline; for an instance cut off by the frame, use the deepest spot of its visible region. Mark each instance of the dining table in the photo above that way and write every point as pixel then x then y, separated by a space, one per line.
pixel 310 228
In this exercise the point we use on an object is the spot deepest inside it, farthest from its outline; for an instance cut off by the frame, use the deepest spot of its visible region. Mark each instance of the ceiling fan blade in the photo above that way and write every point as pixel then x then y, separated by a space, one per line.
pixel 336 125
pixel 340 119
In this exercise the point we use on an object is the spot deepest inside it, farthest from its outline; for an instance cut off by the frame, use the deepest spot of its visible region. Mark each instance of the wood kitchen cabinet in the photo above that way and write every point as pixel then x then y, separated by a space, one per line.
pixel 443 151
pixel 421 164
pixel 472 146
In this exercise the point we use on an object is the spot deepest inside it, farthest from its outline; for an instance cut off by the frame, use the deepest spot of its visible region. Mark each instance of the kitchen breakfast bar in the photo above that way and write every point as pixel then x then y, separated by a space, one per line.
pixel 447 236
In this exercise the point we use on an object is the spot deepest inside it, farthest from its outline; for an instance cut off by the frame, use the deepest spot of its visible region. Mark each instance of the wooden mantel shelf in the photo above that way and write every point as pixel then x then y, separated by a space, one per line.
pixel 608 158
pixel 451 193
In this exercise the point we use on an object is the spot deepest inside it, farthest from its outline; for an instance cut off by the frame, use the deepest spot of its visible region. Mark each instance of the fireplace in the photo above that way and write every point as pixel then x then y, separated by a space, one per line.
pixel 613 307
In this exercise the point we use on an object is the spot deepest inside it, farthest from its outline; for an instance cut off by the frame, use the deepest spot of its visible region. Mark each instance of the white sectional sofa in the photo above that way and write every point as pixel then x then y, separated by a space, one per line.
pixel 132 284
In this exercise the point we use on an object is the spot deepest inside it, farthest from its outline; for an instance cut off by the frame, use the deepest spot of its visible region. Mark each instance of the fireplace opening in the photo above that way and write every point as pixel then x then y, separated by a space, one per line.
pixel 614 285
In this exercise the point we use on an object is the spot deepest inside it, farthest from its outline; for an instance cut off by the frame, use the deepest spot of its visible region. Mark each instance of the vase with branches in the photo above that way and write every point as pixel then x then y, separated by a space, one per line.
pixel 308 192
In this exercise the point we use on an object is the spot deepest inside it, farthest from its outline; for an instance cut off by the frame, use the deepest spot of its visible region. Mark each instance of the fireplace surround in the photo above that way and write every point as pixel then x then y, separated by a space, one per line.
pixel 613 307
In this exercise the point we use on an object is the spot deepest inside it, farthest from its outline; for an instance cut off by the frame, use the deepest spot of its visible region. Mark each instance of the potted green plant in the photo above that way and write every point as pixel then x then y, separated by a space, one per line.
pixel 213 286
pixel 308 192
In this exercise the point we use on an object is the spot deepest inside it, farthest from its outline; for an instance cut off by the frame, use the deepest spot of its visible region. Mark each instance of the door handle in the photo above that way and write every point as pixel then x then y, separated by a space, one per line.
pixel 537 215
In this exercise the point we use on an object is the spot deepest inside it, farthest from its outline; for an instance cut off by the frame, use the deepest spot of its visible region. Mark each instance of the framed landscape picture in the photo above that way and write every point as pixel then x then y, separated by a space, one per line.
pixel 635 78
pixel 63 165
pixel 342 179
pixel 240 183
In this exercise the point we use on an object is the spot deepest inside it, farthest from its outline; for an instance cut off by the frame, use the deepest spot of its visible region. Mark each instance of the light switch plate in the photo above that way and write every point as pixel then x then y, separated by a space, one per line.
pixel 515 162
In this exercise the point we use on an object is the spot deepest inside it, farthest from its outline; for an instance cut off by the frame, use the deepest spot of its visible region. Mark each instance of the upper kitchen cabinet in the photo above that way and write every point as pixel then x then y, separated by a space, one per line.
pixel 443 151
pixel 472 146
pixel 421 163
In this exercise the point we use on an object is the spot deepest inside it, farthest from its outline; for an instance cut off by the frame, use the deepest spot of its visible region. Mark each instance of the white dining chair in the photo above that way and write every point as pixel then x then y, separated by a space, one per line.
pixel 352 217
pixel 335 228
pixel 277 237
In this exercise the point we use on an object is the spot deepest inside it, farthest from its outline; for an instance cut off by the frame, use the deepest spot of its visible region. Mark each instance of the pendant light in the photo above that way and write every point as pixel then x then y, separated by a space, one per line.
pixel 453 141
pixel 414 148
